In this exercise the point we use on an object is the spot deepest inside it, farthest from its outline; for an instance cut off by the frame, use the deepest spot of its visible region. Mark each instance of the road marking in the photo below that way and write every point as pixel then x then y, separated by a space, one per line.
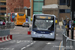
pixel 23 48
pixel 31 43
pixel 28 45
pixel 60 45
pixel 49 43
pixel 19 41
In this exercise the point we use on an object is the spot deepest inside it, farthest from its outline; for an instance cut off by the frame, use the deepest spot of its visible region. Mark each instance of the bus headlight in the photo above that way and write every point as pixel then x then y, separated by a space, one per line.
pixel 34 32
pixel 51 33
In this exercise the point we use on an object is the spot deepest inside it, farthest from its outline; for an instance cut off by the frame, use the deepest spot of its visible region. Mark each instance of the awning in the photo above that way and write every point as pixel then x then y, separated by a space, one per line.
pixel 52 6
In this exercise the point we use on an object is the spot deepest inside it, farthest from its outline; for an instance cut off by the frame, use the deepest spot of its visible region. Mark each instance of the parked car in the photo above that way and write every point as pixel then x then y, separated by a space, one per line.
pixel 26 24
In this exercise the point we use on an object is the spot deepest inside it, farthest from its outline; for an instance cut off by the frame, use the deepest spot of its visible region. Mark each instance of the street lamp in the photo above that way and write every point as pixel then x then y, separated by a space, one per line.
pixel 0 8
pixel 9 14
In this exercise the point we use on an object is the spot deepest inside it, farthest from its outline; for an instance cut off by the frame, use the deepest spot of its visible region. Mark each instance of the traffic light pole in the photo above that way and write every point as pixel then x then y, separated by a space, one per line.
pixel 72 20
pixel 72 30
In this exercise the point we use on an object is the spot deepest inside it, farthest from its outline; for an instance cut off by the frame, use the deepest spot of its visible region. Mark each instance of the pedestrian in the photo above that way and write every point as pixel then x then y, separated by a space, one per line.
pixel 68 27
pixel 64 22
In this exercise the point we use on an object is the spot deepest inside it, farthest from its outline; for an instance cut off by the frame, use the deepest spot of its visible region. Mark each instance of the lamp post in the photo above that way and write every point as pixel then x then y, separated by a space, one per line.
pixel 9 14
pixel 0 9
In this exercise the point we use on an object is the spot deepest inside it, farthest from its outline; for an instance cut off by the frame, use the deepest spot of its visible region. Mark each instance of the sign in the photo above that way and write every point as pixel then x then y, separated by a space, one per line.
pixel 44 17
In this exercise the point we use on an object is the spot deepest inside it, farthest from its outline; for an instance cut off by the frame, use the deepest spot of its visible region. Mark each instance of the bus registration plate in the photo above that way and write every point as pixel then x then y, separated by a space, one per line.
pixel 42 36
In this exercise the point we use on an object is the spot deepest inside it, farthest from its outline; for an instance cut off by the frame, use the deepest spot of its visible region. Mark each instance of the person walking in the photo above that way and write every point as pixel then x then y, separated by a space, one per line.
pixel 68 27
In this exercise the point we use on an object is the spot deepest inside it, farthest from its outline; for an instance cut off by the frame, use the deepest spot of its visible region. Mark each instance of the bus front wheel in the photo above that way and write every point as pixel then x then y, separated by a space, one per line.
pixel 34 38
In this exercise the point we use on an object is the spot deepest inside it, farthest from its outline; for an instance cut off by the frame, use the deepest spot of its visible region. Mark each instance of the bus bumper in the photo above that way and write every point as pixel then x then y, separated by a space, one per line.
pixel 43 36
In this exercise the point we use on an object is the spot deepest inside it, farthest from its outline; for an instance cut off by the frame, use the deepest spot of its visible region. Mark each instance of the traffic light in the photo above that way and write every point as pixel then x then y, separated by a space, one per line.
pixel 68 3
pixel 72 5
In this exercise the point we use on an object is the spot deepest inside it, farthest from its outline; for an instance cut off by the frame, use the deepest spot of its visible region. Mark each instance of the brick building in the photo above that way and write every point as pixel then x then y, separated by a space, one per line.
pixel 26 3
pixel 17 5
pixel 12 4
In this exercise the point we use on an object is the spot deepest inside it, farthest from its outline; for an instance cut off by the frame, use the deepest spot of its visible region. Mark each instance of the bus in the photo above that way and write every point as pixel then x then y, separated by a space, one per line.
pixel 20 18
pixel 43 26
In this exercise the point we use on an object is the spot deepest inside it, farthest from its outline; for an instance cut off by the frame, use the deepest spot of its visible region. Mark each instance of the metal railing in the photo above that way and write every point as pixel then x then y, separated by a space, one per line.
pixel 68 44
pixel 8 26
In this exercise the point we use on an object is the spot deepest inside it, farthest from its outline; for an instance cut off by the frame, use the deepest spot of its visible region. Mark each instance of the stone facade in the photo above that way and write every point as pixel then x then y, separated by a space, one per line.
pixel 48 2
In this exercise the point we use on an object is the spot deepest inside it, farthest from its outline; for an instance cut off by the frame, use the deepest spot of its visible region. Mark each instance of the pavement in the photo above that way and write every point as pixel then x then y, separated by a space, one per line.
pixel 68 43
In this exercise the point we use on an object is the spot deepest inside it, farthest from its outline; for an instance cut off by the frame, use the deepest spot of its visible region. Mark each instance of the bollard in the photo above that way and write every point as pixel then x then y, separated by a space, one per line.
pixel 10 36
pixel 0 39
pixel 29 32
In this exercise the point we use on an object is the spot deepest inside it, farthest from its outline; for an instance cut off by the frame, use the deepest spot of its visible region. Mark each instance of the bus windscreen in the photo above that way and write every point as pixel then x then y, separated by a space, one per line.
pixel 21 14
pixel 43 24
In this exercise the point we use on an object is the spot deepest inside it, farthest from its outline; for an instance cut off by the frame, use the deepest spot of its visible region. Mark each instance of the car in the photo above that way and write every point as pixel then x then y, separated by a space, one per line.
pixel 26 24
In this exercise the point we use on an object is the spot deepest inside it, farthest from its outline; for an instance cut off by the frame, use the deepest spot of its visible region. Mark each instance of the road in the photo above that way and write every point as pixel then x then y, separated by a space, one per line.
pixel 22 41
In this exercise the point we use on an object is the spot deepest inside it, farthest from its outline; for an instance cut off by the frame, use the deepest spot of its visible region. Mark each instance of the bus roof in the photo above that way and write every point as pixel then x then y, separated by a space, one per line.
pixel 45 14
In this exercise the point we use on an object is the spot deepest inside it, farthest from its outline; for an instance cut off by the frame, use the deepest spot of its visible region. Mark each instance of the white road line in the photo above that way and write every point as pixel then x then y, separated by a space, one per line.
pixel 28 45
pixel 19 41
pixel 32 43
pixel 23 48
pixel 49 43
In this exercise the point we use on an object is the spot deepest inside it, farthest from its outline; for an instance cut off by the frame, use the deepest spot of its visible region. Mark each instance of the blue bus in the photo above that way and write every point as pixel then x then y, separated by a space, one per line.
pixel 43 26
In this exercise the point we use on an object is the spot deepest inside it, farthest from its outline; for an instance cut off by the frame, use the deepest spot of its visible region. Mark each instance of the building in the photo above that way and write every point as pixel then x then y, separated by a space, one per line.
pixel 13 4
pixel 17 5
pixel 56 7
pixel 26 3
pixel 36 7
pixel 64 11
pixel 50 7
pixel 2 8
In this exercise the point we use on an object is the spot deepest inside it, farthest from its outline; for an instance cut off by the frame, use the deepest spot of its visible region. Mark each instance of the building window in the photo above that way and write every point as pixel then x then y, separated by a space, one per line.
pixel 2 3
pixel 2 13
pixel 62 2
pixel 64 10
pixel 67 11
pixel 3 8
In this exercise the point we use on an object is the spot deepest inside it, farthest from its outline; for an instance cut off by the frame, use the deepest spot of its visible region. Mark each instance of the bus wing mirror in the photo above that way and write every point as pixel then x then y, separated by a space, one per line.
pixel 31 19
pixel 55 21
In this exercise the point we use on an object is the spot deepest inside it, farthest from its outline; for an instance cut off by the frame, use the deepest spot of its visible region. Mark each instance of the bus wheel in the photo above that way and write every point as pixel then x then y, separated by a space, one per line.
pixel 34 38
pixel 53 39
